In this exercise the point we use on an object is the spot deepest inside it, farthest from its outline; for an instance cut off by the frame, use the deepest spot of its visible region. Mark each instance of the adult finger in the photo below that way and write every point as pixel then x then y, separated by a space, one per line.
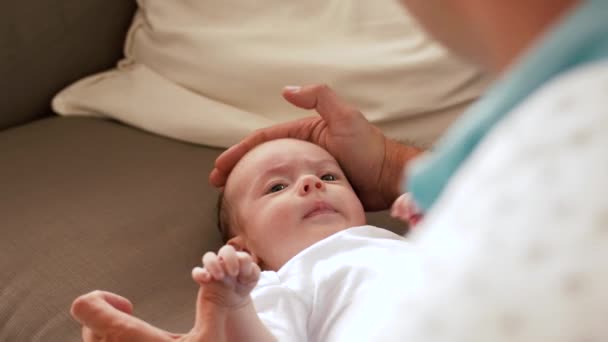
pixel 88 335
pixel 107 315
pixel 298 129
pixel 320 97
pixel 210 321
pixel 118 302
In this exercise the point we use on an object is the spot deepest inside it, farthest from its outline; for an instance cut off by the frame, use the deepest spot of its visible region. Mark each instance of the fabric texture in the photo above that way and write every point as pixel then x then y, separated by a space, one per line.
pixel 313 295
pixel 580 38
pixel 516 248
pixel 90 204
pixel 46 45
pixel 210 72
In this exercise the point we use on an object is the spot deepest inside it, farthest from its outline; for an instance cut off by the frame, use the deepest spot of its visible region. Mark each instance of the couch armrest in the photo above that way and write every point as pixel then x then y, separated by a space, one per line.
pixel 45 45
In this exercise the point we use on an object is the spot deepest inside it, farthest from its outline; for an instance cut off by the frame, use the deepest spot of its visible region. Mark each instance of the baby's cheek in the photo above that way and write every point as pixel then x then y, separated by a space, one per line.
pixel 277 216
pixel 351 207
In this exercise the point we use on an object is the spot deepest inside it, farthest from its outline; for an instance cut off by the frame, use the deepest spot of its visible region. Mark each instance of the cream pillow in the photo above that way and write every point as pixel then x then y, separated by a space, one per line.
pixel 210 72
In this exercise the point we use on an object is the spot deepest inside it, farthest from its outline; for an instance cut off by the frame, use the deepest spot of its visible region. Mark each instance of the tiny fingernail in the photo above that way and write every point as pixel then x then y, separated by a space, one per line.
pixel 293 89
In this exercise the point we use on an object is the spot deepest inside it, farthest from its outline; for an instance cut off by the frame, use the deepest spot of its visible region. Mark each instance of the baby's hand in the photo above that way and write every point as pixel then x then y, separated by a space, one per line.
pixel 227 278
pixel 406 210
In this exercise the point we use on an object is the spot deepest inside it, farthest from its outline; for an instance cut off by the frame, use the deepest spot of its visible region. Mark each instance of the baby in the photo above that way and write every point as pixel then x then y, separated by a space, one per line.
pixel 298 255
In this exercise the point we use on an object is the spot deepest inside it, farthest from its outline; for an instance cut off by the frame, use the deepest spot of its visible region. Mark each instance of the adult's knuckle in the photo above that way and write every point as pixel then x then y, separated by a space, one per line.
pixel 84 302
pixel 323 87
pixel 78 306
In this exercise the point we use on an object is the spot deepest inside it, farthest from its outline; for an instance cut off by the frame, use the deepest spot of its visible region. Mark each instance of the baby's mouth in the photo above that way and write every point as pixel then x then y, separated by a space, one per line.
pixel 320 208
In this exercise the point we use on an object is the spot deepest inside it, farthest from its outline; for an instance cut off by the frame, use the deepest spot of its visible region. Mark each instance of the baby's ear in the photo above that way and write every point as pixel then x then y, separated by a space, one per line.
pixel 239 243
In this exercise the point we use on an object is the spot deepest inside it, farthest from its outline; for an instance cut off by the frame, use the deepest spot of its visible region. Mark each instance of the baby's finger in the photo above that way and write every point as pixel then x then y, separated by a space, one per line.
pixel 212 264
pixel 245 263
pixel 201 275
pixel 252 278
pixel 228 259
pixel 247 272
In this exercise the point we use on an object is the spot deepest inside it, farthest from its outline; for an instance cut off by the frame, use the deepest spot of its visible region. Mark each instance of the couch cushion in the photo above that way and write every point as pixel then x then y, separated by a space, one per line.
pixel 88 204
pixel 45 45
pixel 91 204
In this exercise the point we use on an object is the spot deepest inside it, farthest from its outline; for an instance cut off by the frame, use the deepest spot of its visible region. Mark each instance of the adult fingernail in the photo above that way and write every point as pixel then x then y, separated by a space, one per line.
pixel 293 89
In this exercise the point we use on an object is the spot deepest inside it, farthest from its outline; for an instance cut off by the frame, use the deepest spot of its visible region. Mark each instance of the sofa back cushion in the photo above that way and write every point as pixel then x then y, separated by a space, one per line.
pixel 45 45
pixel 211 72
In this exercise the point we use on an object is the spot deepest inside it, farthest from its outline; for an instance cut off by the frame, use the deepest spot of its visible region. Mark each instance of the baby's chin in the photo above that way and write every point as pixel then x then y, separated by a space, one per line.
pixel 328 225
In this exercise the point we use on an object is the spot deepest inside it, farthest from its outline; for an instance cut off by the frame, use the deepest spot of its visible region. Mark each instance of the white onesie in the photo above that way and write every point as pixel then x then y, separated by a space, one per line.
pixel 311 296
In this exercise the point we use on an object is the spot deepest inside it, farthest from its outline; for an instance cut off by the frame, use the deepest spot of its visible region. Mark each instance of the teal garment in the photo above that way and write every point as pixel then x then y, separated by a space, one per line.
pixel 580 38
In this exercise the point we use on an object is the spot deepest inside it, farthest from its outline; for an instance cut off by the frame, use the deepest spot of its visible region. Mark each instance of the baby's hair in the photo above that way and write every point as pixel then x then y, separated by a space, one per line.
pixel 224 222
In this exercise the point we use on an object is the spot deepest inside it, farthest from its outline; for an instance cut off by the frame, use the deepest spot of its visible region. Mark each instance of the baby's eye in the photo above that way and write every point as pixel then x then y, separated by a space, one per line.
pixel 328 177
pixel 276 188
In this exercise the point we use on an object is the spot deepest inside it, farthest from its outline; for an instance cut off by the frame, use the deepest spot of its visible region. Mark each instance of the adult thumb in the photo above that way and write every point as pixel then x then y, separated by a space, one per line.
pixel 109 315
pixel 210 321
pixel 324 100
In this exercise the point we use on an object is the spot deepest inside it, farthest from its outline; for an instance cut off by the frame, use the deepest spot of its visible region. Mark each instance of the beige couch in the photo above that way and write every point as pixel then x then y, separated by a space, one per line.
pixel 87 203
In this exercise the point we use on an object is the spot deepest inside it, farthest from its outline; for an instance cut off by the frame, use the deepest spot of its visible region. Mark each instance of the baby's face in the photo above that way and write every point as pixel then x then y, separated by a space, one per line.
pixel 289 194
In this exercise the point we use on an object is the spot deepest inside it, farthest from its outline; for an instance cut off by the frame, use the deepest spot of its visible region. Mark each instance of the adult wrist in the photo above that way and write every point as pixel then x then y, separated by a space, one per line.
pixel 396 158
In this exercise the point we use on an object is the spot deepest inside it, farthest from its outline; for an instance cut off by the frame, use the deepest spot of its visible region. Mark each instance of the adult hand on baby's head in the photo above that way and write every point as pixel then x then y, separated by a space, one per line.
pixel 372 162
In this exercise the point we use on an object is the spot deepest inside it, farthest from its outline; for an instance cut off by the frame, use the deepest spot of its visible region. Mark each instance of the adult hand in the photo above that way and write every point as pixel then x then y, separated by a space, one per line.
pixel 373 163
pixel 107 317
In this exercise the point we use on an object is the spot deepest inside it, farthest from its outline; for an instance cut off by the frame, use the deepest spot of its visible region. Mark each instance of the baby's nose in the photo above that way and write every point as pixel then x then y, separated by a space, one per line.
pixel 309 184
